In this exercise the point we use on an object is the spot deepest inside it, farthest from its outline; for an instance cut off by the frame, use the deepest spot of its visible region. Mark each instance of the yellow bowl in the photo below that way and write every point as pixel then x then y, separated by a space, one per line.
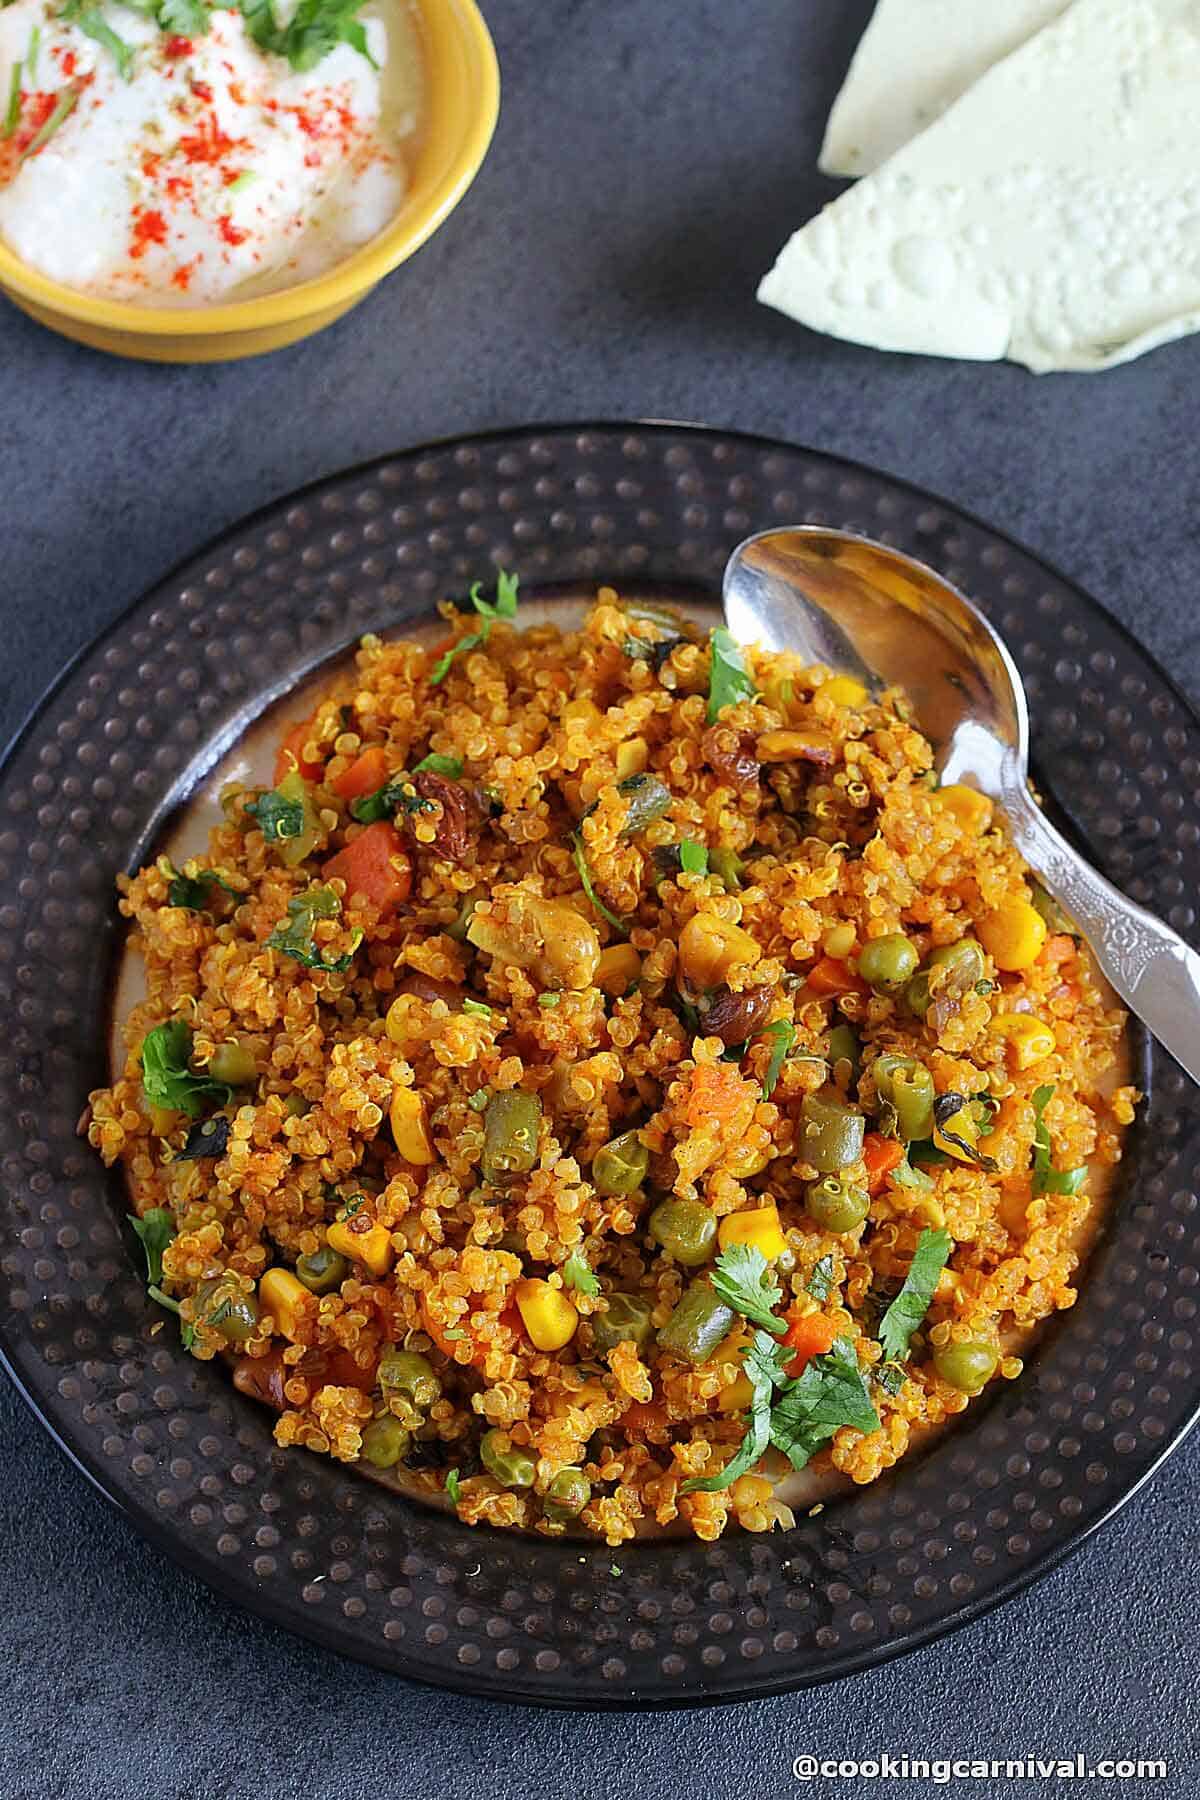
pixel 461 103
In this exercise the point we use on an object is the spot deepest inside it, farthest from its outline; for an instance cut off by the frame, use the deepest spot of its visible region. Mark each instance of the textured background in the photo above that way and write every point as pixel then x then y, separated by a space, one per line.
pixel 649 162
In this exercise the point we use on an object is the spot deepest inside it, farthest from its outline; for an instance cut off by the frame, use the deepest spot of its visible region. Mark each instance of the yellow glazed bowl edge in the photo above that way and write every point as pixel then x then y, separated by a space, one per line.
pixel 462 104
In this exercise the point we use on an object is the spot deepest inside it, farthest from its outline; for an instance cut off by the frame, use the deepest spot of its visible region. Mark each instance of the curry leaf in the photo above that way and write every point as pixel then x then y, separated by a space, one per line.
pixel 912 1302
pixel 192 891
pixel 453 1485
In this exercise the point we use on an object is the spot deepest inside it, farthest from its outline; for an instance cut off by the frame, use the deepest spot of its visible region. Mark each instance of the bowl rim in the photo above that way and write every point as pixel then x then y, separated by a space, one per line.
pixel 472 72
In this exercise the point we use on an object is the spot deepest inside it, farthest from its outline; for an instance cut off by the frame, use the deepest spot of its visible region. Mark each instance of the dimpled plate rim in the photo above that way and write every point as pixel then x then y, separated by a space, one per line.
pixel 128 732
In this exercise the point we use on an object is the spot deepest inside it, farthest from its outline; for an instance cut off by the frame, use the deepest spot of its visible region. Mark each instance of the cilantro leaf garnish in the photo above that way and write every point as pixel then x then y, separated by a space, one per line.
pixel 155 1229
pixel 279 817
pixel 693 857
pixel 192 892
pixel 434 764
pixel 453 1485
pixel 912 1302
pixel 784 1034
pixel 166 1077
pixel 1046 1178
pixel 577 1273
pixel 579 856
pixel 729 679
pixel 743 1279
pixel 828 1394
pixel 765 1362
pixel 386 800
pixel 294 935
pixel 821 1279
pixel 314 29
pixel 504 607
pixel 184 18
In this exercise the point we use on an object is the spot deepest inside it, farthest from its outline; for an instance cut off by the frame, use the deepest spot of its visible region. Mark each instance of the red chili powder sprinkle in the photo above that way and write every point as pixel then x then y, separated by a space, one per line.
pixel 182 278
pixel 232 234
pixel 208 145
pixel 178 46
pixel 148 228
pixel 68 62
pixel 203 92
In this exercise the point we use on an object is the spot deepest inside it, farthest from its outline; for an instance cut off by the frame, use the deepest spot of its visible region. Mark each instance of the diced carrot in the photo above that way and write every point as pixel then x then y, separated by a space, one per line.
pixel 291 754
pixel 829 976
pixel 366 774
pixel 881 1155
pixel 1058 949
pixel 375 866
pixel 645 1419
pixel 812 1334
pixel 717 1091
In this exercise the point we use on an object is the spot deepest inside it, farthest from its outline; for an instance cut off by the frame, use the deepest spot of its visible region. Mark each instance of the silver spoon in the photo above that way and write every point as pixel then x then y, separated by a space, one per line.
pixel 870 611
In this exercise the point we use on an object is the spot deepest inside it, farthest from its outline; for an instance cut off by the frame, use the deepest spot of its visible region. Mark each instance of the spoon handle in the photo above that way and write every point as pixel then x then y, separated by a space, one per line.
pixel 1149 965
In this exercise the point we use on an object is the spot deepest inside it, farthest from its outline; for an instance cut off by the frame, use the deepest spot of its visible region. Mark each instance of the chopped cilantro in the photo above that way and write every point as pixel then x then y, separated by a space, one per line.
pixel 1046 1178
pixel 821 1279
pixel 693 857
pixel 185 18
pixel 743 1279
pixel 166 1077
pixel 579 855
pixel 293 936
pixel 576 1273
pixel 784 1034
pixel 912 1302
pixel 891 1377
pixel 480 1010
pixel 192 891
pixel 453 1485
pixel 385 801
pixel 504 607
pixel 279 818
pixel 433 764
pixel 828 1394
pixel 315 28
pixel 729 679
pixel 155 1229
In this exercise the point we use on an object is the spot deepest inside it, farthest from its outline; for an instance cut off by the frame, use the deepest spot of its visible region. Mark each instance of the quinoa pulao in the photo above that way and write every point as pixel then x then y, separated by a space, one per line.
pixel 605 1074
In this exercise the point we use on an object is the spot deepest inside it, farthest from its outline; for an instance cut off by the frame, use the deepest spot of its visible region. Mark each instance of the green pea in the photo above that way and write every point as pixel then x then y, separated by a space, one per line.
pixel 697 1325
pixel 385 1441
pixel 566 1496
pixel 967 1367
pixel 510 1134
pixel 833 1134
pixel 625 1320
pixel 295 1106
pixel 965 958
pixel 620 1166
pixel 323 1272
pixel 835 1206
pixel 648 800
pixel 511 1466
pixel 728 866
pixel 887 962
pixel 406 1373
pixel 231 1063
pixel 844 1047
pixel 223 1305
pixel 686 1229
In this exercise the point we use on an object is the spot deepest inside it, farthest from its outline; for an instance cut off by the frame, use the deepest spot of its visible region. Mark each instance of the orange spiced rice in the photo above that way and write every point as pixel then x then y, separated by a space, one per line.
pixel 605 1074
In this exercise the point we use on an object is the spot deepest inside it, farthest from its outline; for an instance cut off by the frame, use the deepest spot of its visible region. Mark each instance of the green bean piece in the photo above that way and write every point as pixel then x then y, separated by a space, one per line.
pixel 835 1206
pixel 728 866
pixel 323 1272
pixel 906 1085
pixel 293 850
pixel 833 1134
pixel 686 1230
pixel 231 1063
pixel 511 1466
pixel 626 1320
pixel 407 1373
pixel 697 1325
pixel 384 1441
pixel 620 1166
pixel 887 963
pixel 510 1134
pixel 566 1496
pixel 648 799
pixel 967 1367
pixel 229 1310
pixel 844 1047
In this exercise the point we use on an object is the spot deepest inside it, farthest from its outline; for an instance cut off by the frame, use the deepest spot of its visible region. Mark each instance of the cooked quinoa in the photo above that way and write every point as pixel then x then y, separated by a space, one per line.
pixel 562 976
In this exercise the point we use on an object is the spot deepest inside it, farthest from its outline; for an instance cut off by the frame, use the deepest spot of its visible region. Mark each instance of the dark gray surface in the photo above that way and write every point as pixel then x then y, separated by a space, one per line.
pixel 649 162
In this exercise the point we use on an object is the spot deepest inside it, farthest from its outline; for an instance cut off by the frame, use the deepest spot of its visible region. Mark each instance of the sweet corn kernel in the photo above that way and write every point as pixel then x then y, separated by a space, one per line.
pixel 373 1247
pixel 286 1299
pixel 1013 934
pixel 839 941
pixel 737 1396
pixel 619 967
pixel 1027 1040
pixel 710 947
pixel 411 1135
pixel 758 1226
pixel 547 1314
pixel 632 757
pixel 163 1121
pixel 971 810
pixel 844 690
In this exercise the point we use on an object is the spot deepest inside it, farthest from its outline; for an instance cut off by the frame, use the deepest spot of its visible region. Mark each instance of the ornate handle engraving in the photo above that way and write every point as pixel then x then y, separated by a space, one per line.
pixel 1150 966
